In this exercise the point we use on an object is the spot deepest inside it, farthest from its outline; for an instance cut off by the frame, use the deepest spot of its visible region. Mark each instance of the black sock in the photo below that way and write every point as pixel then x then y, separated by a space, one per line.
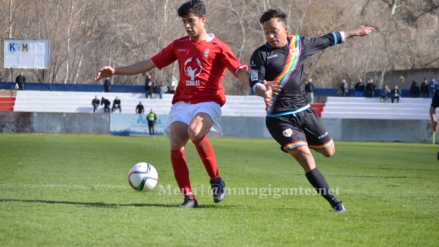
pixel 317 180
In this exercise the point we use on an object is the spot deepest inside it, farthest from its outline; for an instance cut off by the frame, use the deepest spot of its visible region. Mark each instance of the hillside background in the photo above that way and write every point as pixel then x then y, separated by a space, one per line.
pixel 88 34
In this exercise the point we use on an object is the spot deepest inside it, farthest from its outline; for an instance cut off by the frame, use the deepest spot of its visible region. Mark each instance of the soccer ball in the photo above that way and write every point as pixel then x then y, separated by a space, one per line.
pixel 143 177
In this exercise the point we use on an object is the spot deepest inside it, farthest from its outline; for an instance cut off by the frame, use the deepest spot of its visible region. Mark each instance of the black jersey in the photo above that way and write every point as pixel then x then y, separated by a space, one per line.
pixel 286 64
pixel 435 100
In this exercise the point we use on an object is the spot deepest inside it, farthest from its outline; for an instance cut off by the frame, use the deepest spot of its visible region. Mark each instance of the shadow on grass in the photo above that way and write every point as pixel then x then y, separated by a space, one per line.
pixel 114 205
pixel 362 176
pixel 90 204
pixel 353 176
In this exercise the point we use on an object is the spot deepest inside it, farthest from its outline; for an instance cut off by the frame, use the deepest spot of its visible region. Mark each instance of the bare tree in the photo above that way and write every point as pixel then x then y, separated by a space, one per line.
pixel 86 35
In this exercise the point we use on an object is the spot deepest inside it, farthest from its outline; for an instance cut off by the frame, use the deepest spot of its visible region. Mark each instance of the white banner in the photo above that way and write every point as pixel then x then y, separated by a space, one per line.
pixel 26 53
pixel 135 124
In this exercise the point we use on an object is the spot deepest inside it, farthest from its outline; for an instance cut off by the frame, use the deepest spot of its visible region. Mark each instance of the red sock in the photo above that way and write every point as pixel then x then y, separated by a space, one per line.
pixel 207 155
pixel 181 172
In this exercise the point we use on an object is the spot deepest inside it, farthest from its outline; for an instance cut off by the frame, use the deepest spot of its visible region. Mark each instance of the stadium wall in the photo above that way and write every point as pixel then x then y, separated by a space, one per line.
pixel 358 130
pixel 33 86
pixel 379 130
pixel 54 123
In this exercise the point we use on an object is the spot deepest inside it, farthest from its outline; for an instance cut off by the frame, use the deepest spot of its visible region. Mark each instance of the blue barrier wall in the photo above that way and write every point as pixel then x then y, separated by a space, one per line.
pixel 140 88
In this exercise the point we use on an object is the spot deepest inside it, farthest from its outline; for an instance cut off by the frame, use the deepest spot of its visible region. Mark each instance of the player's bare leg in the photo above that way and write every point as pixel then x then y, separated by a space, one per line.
pixel 178 136
pixel 197 131
pixel 304 157
pixel 327 152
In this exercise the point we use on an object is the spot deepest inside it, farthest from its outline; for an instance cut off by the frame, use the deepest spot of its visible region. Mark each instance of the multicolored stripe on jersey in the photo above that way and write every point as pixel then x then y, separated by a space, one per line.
pixel 323 146
pixel 290 66
pixel 293 145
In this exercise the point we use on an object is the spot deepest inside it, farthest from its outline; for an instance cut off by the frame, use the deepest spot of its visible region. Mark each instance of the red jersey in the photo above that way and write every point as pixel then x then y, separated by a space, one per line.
pixel 202 66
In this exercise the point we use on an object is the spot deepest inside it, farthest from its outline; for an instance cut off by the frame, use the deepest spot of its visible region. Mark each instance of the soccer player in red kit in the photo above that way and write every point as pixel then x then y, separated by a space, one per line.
pixel 196 109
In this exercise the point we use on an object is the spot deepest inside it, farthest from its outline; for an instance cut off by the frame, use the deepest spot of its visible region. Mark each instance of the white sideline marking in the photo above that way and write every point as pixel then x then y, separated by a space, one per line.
pixel 62 186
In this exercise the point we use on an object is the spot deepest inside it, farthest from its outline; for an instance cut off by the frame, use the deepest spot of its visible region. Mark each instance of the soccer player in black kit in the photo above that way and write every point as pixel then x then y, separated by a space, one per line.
pixel 290 119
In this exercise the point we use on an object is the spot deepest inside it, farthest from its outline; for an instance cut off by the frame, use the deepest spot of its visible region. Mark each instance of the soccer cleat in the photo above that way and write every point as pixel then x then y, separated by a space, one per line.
pixel 338 207
pixel 218 191
pixel 189 202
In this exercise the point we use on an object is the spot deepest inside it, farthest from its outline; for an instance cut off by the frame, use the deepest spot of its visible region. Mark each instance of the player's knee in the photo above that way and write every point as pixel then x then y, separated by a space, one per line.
pixel 194 133
pixel 327 154
pixel 178 137
pixel 329 151
pixel 177 144
pixel 300 152
pixel 294 152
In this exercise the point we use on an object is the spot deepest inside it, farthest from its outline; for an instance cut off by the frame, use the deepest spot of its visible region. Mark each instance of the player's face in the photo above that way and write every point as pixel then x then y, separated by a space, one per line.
pixel 194 25
pixel 275 32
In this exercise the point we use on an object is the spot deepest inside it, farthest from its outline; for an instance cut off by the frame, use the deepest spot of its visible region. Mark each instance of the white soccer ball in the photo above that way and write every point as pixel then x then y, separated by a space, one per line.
pixel 143 177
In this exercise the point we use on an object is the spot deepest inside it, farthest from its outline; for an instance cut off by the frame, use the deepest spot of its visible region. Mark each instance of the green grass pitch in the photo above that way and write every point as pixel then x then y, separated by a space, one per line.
pixel 72 190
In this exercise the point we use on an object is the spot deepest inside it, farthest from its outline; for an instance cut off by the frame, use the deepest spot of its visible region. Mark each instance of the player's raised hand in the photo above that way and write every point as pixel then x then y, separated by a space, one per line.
pixel 273 86
pixel 363 31
pixel 271 89
pixel 360 31
pixel 104 72
pixel 434 125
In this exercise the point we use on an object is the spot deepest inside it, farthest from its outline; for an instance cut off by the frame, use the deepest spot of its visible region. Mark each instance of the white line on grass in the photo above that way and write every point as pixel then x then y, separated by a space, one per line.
pixel 62 186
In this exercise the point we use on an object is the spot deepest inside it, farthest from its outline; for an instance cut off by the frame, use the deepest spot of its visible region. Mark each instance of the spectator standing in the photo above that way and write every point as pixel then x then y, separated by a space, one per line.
pixel 385 92
pixel 432 87
pixel 174 83
pixel 396 94
pixel 309 88
pixel 359 88
pixel 163 89
pixel 116 105
pixel 20 80
pixel 152 119
pixel 149 86
pixel 344 88
pixel 107 85
pixel 139 108
pixel 414 90
pixel 424 89
pixel 95 103
pixel 370 89
pixel 106 104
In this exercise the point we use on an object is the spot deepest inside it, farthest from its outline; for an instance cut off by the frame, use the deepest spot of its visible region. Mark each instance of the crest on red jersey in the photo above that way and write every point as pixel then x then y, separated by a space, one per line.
pixel 206 53
pixel 192 68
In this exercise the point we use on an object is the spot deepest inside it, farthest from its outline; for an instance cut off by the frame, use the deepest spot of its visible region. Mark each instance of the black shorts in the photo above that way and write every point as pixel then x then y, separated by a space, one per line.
pixel 304 129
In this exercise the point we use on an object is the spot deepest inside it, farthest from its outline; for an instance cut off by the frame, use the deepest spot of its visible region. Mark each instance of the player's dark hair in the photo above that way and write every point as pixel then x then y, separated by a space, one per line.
pixel 195 7
pixel 273 13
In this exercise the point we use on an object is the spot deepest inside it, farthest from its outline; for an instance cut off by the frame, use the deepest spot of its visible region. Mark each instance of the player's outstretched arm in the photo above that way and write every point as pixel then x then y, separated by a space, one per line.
pixel 137 68
pixel 361 31
pixel 263 90
pixel 243 76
